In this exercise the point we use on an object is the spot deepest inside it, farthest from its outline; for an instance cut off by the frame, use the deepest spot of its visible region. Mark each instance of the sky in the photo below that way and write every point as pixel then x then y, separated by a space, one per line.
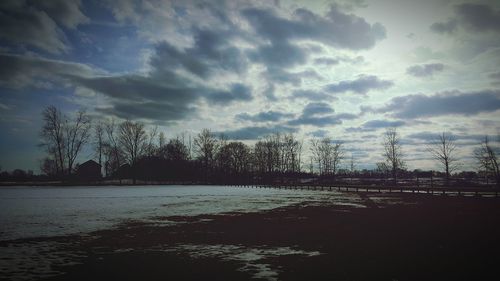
pixel 347 70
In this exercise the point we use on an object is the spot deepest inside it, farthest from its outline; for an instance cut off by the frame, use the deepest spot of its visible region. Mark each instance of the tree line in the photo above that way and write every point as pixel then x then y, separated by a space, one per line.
pixel 130 150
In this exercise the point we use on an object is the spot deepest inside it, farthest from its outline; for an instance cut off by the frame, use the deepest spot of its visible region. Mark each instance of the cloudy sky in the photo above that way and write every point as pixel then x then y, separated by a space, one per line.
pixel 345 69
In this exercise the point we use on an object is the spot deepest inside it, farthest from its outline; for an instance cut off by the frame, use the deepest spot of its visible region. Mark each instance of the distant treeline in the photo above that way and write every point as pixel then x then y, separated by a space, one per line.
pixel 128 150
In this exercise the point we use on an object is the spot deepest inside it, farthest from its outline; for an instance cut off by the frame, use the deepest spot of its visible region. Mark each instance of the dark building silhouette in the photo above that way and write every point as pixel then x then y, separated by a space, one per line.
pixel 89 171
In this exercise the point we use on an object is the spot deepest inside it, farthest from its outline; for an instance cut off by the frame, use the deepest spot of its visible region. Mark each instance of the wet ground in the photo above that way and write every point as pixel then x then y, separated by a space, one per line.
pixel 379 237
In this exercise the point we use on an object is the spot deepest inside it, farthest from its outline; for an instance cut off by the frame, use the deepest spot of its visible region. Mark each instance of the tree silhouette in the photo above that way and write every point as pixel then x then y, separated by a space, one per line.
pixel 443 151
pixel 206 146
pixel 52 134
pixel 132 139
pixel 64 138
pixel 393 152
pixel 77 134
pixel 328 155
pixel 112 150
pixel 98 142
pixel 487 158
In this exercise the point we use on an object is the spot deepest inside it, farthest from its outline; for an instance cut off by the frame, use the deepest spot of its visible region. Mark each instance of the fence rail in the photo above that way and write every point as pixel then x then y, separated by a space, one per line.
pixel 462 191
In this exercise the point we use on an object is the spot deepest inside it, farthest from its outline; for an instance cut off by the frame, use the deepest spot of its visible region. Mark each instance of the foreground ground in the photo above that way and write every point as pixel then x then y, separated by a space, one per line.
pixel 415 237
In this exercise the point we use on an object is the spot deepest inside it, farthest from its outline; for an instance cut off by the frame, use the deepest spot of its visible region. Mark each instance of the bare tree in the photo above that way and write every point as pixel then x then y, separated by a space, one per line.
pixel 48 166
pixel 382 168
pixel 328 155
pixel 132 139
pixel 64 138
pixel 487 157
pixel 337 157
pixel 393 152
pixel 206 146
pixel 175 150
pixel 77 134
pixel 150 146
pixel 352 166
pixel 234 158
pixel 52 134
pixel 316 155
pixel 99 143
pixel 113 152
pixel 291 153
pixel 443 151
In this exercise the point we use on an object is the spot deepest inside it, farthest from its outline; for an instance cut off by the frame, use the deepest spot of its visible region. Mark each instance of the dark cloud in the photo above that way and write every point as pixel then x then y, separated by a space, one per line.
pixel 211 52
pixel 279 54
pixel 281 76
pixel 317 108
pixel 326 61
pixel 445 27
pixel 362 85
pixel 374 125
pixel 318 114
pixel 35 23
pixel 329 61
pixel 347 116
pixel 312 95
pixel 317 121
pixel 167 57
pixel 237 92
pixel 479 17
pixel 149 110
pixel 138 88
pixel 65 13
pixel 425 70
pixel 265 116
pixel 337 29
pixel 31 27
pixel 143 97
pixel 472 17
pixel 269 93
pixel 254 132
pixel 445 103
pixel 18 71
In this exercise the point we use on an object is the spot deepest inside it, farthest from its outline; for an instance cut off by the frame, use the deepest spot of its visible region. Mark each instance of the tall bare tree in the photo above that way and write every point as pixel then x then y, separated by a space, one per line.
pixel 393 153
pixel 291 153
pixel 487 158
pixel 63 137
pixel 77 134
pixel 443 150
pixel 52 134
pixel 132 139
pixel 175 150
pixel 112 145
pixel 337 157
pixel 234 158
pixel 150 146
pixel 206 146
pixel 316 155
pixel 99 142
pixel 352 166
pixel 328 155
